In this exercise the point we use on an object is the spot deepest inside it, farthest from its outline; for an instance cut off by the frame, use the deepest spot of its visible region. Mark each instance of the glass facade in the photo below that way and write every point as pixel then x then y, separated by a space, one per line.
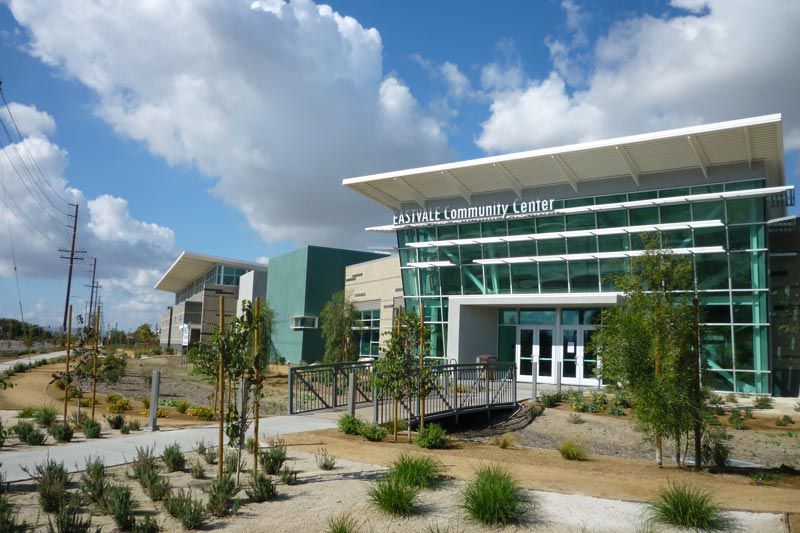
pixel 732 283
pixel 216 275
pixel 368 333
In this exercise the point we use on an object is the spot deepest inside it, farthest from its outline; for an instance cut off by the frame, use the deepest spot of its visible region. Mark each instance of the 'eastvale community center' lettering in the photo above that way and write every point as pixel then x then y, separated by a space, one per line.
pixel 497 210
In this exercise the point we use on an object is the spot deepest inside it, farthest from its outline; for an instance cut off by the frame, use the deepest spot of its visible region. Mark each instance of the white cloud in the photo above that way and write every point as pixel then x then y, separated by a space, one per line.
pixel 713 61
pixel 278 101
pixel 130 252
pixel 29 120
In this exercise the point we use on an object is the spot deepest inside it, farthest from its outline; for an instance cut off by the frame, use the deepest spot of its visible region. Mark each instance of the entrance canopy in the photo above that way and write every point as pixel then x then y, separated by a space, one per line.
pixel 700 147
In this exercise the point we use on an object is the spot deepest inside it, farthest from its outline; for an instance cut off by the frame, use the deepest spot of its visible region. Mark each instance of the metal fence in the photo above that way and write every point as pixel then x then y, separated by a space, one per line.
pixel 453 389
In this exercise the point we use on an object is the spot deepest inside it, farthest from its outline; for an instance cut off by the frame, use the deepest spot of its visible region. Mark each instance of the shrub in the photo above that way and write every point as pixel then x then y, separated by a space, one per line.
pixel 156 486
pixel 68 520
pixel 731 398
pixel 35 438
pixel 393 496
pixel 349 424
pixel 616 411
pixel 148 525
pixel 763 402
pixel 51 480
pixel 197 470
pixel 736 420
pixel 119 406
pixel 261 488
pixel 144 462
pixel 341 523
pixel 27 412
pixel 748 412
pixel 146 403
pixel 372 432
pixel 432 436
pixel 572 451
pixel 417 470
pixel 506 441
pixel 325 461
pixel 273 457
pixel 232 462
pixel 494 498
pixel 61 431
pixel 190 512
pixel 203 413
pixel 575 418
pixel 91 429
pixel 797 407
pixel 23 429
pixel 688 507
pixel 116 421
pixel 715 449
pixel 45 415
pixel 210 455
pixel 251 445
pixel 174 458
pixel 121 506
pixel 112 398
pixel 765 478
pixel 8 517
pixel 549 399
pixel 784 420
pixel 182 406
pixel 200 447
pixel 220 495
pixel 94 483
pixel 3 434
pixel 288 476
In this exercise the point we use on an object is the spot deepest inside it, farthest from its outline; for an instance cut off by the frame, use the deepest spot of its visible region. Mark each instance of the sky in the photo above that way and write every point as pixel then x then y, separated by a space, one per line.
pixel 226 126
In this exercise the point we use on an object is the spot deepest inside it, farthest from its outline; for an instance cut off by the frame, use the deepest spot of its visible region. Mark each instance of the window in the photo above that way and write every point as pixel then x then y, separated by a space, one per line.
pixel 304 322
pixel 368 333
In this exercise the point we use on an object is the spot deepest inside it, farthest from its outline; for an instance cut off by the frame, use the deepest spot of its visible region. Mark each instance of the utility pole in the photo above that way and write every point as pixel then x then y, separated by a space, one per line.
pixel 91 294
pixel 72 251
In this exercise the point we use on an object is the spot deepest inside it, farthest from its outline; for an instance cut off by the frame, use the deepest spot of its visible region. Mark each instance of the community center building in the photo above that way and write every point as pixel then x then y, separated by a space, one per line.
pixel 513 256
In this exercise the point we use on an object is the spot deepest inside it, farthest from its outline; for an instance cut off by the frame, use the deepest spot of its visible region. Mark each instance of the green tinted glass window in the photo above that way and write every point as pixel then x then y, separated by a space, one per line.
pixel 613 243
pixel 611 199
pixel 745 210
pixel 746 237
pixel 497 279
pixel 582 245
pixel 446 233
pixel 451 280
pixel 508 317
pixel 712 271
pixel 676 213
pixel 524 226
pixel 718 347
pixel 716 308
pixel 537 316
pixel 681 238
pixel 429 281
pixel 522 249
pixel 470 253
pixel 645 195
pixel 432 309
pixel 750 308
pixel 721 380
pixel 548 224
pixel 551 247
pixel 612 219
pixel 748 270
pixel 524 278
pixel 579 202
pixel 410 281
pixel 581 221
pixel 405 236
pixel 644 215
pixel 428 254
pixel 494 229
pixel 506 344
pixel 472 279
pixel 610 269
pixel 583 276
pixel 744 185
pixel 469 231
pixel 704 189
pixel 495 250
pixel 708 211
pixel 750 346
pixel 450 253
pixel 710 237
pixel 426 234
pixel 668 193
pixel 553 277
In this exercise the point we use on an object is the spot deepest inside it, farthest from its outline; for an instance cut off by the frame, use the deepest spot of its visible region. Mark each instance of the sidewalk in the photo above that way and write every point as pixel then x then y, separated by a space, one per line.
pixel 121 450
pixel 32 358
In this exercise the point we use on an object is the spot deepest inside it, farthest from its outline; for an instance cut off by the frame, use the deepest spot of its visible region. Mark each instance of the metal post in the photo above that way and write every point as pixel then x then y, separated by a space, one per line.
pixel 558 377
pixel 221 395
pixel 335 386
pixel 455 390
pixel 155 385
pixel 535 383
pixel 488 392
pixel 351 392
pixel 514 381
pixel 291 391
pixel 66 374
pixel 169 329
pixel 375 404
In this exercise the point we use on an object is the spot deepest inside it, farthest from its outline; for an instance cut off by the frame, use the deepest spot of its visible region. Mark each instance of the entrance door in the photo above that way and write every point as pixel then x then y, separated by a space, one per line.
pixel 535 344
pixel 577 363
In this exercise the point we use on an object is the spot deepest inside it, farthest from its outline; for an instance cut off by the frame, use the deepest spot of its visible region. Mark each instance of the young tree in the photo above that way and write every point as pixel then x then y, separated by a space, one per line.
pixel 144 335
pixel 398 373
pixel 649 345
pixel 339 319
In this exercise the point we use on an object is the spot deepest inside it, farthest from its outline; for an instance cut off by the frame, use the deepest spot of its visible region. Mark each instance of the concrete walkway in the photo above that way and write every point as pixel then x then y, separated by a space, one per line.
pixel 121 450
pixel 32 358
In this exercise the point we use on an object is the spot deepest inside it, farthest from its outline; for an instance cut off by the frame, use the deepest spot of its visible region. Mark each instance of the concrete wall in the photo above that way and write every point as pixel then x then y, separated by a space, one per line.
pixel 375 285
pixel 210 314
pixel 251 286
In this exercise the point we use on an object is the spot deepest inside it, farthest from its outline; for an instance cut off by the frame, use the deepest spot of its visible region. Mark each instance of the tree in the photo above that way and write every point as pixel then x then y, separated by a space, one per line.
pixel 339 319
pixel 398 373
pixel 144 335
pixel 117 336
pixel 649 345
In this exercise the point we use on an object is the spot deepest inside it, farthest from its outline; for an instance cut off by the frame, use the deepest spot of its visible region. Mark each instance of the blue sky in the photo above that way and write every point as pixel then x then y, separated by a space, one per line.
pixel 205 125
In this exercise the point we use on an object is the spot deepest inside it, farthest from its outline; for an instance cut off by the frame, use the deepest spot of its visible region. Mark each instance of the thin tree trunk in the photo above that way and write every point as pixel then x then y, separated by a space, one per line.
pixel 395 420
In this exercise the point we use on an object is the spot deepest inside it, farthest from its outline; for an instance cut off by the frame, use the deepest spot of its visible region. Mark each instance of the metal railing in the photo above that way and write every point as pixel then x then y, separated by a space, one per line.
pixel 453 389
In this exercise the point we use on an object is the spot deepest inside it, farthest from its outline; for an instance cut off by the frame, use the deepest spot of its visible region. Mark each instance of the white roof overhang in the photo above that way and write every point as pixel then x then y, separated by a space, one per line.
pixel 189 266
pixel 700 147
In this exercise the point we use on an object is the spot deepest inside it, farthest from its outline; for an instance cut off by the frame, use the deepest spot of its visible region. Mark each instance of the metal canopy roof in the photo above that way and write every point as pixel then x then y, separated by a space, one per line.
pixel 736 141
pixel 189 266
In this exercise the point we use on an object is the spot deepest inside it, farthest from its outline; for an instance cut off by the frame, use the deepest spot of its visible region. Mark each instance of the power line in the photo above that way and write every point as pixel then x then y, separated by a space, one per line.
pixel 13 254
pixel 72 259
pixel 25 145
pixel 12 205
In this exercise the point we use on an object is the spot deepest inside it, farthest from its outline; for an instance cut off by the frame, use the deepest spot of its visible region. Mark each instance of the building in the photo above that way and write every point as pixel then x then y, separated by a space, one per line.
pixel 376 290
pixel 300 284
pixel 198 280
pixel 511 255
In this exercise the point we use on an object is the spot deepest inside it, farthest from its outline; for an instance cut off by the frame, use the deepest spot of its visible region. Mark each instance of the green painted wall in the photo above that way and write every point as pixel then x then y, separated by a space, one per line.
pixel 301 283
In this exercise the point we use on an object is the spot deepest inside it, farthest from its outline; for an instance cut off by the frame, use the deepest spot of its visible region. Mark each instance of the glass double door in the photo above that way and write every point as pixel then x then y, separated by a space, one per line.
pixel 537 345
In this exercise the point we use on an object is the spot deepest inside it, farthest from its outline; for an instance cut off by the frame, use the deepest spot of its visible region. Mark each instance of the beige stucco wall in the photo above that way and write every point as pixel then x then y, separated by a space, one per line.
pixel 375 285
